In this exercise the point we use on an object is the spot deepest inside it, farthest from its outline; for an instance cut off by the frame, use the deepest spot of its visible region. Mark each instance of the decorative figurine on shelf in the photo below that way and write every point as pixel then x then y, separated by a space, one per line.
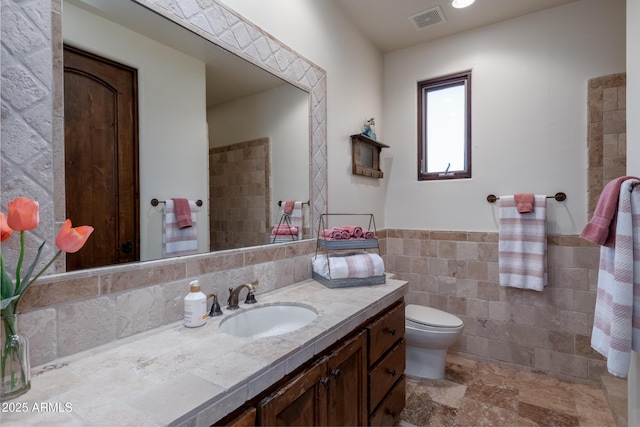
pixel 369 129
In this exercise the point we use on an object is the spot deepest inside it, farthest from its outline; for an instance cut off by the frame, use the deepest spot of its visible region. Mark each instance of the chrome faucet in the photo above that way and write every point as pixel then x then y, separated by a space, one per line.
pixel 233 295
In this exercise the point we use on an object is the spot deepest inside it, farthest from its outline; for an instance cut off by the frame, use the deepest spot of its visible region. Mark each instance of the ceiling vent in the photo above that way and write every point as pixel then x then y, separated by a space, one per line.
pixel 428 18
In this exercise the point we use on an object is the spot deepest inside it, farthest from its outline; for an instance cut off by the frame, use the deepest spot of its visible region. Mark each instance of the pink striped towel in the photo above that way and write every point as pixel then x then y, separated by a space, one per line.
pixel 178 241
pixel 522 244
pixel 347 265
pixel 616 324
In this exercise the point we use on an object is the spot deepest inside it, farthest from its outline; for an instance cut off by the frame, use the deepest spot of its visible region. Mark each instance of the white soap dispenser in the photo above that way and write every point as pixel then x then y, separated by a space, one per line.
pixel 195 306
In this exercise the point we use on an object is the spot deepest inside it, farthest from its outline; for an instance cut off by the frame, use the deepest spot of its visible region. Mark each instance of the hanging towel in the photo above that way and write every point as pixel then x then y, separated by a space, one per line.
pixel 601 230
pixel 616 324
pixel 182 211
pixel 524 202
pixel 178 241
pixel 522 244
pixel 296 217
pixel 288 207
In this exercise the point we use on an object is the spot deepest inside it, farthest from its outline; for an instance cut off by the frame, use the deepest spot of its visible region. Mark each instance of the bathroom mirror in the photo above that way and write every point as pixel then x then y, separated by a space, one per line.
pixel 196 97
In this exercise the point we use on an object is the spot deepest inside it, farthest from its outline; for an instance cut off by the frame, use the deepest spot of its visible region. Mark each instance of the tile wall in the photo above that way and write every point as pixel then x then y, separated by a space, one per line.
pixel 607 133
pixel 239 182
pixel 545 331
pixel 66 314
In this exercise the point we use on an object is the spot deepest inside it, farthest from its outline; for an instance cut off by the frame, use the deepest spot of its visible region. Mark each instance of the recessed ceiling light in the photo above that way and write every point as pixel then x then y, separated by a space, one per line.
pixel 459 4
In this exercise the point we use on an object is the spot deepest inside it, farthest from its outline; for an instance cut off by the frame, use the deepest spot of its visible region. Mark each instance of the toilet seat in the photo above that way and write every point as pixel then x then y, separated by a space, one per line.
pixel 428 316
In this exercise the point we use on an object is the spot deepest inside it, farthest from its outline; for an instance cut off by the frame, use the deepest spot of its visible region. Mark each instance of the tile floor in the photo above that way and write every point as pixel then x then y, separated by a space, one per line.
pixel 475 393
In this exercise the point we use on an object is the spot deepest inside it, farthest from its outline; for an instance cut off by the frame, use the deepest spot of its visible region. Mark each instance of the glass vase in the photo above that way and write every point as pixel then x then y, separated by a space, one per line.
pixel 15 368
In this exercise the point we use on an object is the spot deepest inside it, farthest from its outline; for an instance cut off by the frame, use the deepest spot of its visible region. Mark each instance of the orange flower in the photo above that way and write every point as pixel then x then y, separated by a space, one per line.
pixel 5 230
pixel 24 214
pixel 72 239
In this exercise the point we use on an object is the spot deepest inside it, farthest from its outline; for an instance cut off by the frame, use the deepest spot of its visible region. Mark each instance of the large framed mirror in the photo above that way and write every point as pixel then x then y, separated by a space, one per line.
pixel 210 86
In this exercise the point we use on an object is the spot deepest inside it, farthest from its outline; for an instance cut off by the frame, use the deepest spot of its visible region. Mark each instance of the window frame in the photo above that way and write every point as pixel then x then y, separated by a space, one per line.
pixel 424 86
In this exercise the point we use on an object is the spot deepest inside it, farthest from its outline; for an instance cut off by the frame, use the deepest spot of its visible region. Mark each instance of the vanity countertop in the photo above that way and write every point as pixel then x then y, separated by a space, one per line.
pixel 175 375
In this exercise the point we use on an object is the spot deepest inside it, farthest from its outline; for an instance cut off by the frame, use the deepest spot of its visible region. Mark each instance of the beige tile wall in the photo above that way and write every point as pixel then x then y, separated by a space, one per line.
pixel 239 186
pixel 66 314
pixel 607 133
pixel 545 331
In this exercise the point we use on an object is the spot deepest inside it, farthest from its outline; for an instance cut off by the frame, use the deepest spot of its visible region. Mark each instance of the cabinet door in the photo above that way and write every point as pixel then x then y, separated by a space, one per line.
pixel 347 388
pixel 385 332
pixel 301 402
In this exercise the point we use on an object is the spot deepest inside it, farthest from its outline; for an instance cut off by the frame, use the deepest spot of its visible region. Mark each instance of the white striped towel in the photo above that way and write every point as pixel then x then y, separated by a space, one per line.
pixel 348 265
pixel 616 324
pixel 522 244
pixel 295 217
pixel 178 241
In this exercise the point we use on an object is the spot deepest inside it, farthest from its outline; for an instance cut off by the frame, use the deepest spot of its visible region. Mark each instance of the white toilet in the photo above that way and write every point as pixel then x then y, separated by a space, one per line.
pixel 429 333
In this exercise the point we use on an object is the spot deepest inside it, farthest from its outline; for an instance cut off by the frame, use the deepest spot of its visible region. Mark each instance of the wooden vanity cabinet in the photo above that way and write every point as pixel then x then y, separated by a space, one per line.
pixel 387 359
pixel 332 391
pixel 359 382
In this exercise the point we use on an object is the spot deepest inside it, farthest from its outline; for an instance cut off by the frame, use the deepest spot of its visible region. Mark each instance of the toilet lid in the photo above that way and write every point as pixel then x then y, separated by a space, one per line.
pixel 431 316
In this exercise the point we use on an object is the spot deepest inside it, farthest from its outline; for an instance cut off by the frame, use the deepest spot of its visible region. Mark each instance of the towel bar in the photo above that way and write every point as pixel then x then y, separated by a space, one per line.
pixel 491 198
pixel 280 203
pixel 155 202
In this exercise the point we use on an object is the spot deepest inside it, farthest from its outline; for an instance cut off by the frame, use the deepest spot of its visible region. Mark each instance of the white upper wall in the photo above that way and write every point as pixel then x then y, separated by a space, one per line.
pixel 320 32
pixel 529 115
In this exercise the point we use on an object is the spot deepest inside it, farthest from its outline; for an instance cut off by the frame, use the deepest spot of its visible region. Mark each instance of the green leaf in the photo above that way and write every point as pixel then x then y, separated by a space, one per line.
pixel 6 301
pixel 6 285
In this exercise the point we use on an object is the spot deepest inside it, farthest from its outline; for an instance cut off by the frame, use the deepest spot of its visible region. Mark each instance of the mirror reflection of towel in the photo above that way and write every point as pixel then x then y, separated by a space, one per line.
pixel 178 241
pixel 182 211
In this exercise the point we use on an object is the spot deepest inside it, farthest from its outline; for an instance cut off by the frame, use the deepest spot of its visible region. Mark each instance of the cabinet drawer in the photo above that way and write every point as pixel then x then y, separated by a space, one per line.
pixel 385 331
pixel 389 410
pixel 386 373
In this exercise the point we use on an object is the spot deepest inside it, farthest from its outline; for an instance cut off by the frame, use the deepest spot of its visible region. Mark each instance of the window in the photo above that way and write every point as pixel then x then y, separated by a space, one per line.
pixel 444 127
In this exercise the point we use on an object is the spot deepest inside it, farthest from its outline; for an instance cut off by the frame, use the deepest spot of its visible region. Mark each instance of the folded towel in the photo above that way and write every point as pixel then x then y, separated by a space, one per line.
pixel 616 324
pixel 601 230
pixel 524 202
pixel 369 235
pixel 284 229
pixel 346 233
pixel 353 231
pixel 348 265
pixel 178 241
pixel 182 211
pixel 522 245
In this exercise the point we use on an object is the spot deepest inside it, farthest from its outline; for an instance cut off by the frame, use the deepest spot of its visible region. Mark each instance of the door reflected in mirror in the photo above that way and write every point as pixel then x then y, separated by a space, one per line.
pixel 194 99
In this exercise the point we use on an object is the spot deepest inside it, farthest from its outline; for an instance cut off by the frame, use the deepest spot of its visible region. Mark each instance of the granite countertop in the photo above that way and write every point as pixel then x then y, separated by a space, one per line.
pixel 175 375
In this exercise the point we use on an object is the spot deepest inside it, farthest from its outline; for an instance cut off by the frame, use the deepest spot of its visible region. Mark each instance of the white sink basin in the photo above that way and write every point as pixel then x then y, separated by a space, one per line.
pixel 268 320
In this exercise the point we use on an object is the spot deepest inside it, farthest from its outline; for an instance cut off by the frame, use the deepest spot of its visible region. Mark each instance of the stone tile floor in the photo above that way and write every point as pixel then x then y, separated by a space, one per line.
pixel 475 393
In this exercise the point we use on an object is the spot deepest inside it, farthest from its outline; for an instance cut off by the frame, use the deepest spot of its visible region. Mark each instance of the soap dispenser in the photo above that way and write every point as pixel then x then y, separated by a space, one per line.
pixel 195 306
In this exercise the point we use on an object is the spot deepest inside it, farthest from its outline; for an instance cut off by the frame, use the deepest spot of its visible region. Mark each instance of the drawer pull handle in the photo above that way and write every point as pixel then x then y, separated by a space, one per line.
pixel 325 381
pixel 336 373
pixel 391 412
pixel 391 331
pixel 392 372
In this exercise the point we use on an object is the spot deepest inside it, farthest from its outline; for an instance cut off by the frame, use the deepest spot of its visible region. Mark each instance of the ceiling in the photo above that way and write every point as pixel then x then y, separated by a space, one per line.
pixel 386 22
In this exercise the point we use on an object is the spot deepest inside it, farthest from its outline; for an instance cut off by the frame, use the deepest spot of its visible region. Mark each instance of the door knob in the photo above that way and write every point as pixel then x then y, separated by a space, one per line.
pixel 126 247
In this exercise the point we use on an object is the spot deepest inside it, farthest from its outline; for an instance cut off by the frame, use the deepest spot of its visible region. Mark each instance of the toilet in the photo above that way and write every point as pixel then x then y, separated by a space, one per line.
pixel 429 333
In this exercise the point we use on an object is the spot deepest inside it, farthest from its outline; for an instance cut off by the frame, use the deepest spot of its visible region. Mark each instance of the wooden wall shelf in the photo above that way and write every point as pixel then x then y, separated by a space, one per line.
pixel 365 158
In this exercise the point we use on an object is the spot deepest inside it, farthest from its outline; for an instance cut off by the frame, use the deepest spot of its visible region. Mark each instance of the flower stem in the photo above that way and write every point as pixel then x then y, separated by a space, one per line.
pixel 20 259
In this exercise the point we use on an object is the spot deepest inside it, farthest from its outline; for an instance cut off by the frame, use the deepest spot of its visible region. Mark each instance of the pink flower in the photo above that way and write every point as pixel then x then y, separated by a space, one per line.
pixel 24 214
pixel 5 230
pixel 72 239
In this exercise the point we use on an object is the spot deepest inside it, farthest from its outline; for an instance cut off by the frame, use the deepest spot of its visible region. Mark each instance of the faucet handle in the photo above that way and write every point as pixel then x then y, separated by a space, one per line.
pixel 251 298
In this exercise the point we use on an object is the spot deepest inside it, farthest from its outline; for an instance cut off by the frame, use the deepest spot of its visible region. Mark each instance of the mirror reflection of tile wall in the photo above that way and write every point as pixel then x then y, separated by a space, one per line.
pixel 607 133
pixel 239 194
